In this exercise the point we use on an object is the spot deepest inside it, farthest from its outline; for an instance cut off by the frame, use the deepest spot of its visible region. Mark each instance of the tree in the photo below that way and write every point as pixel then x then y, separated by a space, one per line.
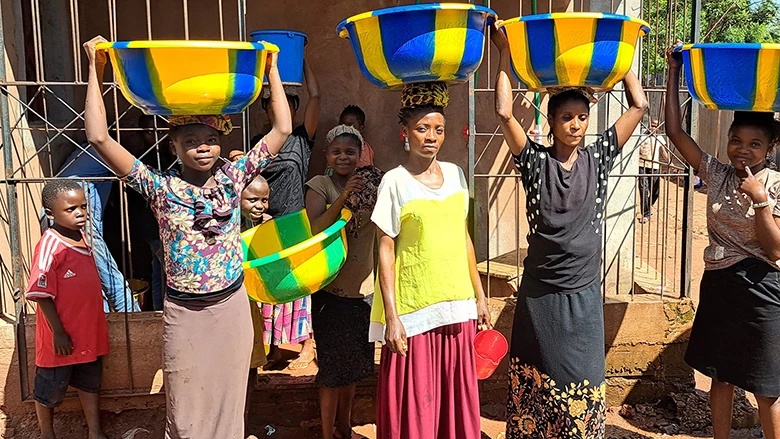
pixel 722 21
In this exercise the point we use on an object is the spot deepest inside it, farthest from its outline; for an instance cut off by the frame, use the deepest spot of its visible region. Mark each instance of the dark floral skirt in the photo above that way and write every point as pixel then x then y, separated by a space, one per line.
pixel 556 367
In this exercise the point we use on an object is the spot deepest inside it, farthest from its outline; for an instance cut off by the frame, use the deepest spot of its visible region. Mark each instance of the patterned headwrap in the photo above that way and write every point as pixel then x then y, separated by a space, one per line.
pixel 425 93
pixel 220 122
pixel 343 129
pixel 585 91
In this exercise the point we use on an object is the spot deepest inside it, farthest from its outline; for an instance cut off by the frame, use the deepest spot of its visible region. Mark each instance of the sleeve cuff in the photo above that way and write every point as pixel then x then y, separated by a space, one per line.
pixel 37 295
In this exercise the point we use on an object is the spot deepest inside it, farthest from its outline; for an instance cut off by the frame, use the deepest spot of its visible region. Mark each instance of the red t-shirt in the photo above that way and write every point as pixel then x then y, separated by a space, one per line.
pixel 67 275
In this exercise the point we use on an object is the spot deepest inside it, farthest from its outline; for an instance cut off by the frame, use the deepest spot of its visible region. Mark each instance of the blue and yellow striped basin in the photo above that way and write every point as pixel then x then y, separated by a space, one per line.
pixel 284 262
pixel 419 43
pixel 189 77
pixel 572 49
pixel 733 76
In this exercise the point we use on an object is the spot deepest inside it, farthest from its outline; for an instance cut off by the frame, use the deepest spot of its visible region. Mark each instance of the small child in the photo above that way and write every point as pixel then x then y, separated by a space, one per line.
pixel 254 203
pixel 71 333
pixel 354 116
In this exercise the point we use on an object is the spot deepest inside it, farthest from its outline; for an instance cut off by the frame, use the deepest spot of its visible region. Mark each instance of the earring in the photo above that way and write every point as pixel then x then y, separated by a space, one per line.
pixel 406 144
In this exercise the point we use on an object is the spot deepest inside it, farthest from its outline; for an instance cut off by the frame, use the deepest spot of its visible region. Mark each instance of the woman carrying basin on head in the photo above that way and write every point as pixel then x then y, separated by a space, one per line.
pixel 556 375
pixel 735 338
pixel 430 297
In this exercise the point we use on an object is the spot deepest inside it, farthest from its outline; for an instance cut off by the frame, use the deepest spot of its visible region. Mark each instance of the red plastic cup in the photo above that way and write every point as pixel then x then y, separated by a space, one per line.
pixel 490 347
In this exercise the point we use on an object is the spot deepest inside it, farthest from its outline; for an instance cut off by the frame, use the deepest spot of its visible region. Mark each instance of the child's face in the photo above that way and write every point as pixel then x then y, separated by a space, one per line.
pixel 254 200
pixel 342 155
pixel 351 120
pixel 748 146
pixel 197 146
pixel 69 210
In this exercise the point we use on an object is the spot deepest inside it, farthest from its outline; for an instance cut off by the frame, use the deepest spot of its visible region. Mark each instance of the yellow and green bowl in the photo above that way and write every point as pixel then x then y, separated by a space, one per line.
pixel 733 76
pixel 189 77
pixel 284 262
pixel 579 49
pixel 418 43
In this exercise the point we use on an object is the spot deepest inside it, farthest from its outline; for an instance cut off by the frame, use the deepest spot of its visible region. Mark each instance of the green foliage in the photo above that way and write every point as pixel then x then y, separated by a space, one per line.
pixel 722 21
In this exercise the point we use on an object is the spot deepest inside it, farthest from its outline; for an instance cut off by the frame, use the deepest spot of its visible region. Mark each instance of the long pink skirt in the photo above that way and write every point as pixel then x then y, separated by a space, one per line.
pixel 431 393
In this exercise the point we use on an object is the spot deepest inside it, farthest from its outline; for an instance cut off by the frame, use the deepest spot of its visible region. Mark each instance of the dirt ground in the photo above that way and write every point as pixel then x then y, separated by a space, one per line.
pixel 679 417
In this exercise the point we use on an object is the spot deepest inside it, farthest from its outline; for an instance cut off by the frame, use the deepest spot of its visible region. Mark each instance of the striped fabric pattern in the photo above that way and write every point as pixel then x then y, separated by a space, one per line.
pixel 418 43
pixel 579 49
pixel 733 76
pixel 284 262
pixel 189 77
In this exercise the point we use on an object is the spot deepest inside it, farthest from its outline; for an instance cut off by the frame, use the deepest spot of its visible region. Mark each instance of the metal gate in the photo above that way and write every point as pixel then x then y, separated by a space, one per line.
pixel 650 256
pixel 41 102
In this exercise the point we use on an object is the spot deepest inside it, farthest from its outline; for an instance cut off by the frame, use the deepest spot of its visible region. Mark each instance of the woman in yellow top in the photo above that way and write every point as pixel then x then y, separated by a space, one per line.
pixel 430 292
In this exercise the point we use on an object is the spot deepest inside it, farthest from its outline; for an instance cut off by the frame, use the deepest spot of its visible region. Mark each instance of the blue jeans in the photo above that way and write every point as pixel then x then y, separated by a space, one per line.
pixel 157 275
pixel 116 292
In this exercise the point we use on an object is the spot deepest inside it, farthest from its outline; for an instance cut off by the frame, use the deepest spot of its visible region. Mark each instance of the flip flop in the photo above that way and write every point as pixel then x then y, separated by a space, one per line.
pixel 300 364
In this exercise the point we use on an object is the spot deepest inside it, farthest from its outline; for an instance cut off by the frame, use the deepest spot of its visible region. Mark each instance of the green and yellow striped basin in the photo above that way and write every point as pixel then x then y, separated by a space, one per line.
pixel 284 262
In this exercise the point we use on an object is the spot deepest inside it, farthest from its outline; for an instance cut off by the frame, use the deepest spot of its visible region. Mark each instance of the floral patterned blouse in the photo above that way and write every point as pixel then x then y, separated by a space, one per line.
pixel 200 227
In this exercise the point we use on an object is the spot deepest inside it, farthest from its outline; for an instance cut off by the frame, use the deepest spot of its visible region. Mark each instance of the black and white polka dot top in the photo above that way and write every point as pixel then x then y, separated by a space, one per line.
pixel 565 212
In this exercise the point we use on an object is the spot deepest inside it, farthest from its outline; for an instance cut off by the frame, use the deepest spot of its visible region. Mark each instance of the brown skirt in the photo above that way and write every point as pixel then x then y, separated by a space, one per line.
pixel 206 352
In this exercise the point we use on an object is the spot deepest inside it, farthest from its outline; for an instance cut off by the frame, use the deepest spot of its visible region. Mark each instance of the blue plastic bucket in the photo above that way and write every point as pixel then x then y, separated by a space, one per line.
pixel 290 53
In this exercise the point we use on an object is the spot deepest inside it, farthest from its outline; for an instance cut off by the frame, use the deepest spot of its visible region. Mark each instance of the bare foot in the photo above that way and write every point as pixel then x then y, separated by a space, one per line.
pixel 305 358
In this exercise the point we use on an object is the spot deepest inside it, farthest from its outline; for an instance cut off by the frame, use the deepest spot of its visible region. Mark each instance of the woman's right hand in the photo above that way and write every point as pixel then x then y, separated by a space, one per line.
pixel 96 57
pixel 499 37
pixel 271 61
pixel 674 58
pixel 395 337
pixel 354 184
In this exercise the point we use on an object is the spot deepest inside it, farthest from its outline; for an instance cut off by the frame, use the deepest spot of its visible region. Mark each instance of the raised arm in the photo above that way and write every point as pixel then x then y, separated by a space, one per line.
pixel 688 147
pixel 281 122
pixel 312 116
pixel 514 135
pixel 395 334
pixel 116 157
pixel 637 107
pixel 320 215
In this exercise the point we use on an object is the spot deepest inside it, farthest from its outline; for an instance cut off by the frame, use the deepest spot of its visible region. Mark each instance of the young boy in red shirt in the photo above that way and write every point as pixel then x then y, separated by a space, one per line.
pixel 71 333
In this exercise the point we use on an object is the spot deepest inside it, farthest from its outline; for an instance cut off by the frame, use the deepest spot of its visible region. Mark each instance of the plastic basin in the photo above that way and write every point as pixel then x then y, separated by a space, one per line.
pixel 490 347
pixel 189 77
pixel 733 76
pixel 284 262
pixel 572 49
pixel 290 44
pixel 419 43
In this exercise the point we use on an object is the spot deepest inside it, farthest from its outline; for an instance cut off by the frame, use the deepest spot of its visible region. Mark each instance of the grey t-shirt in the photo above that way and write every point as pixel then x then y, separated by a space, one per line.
pixel 286 174
pixel 565 211
pixel 731 223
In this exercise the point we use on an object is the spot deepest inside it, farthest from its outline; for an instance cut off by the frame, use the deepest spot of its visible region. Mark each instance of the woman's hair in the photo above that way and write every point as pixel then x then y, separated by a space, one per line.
pixel 294 100
pixel 407 114
pixel 561 98
pixel 356 111
pixel 764 121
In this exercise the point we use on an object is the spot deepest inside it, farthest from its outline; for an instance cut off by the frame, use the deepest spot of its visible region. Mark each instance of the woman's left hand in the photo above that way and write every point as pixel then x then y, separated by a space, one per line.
pixel 483 315
pixel 752 187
